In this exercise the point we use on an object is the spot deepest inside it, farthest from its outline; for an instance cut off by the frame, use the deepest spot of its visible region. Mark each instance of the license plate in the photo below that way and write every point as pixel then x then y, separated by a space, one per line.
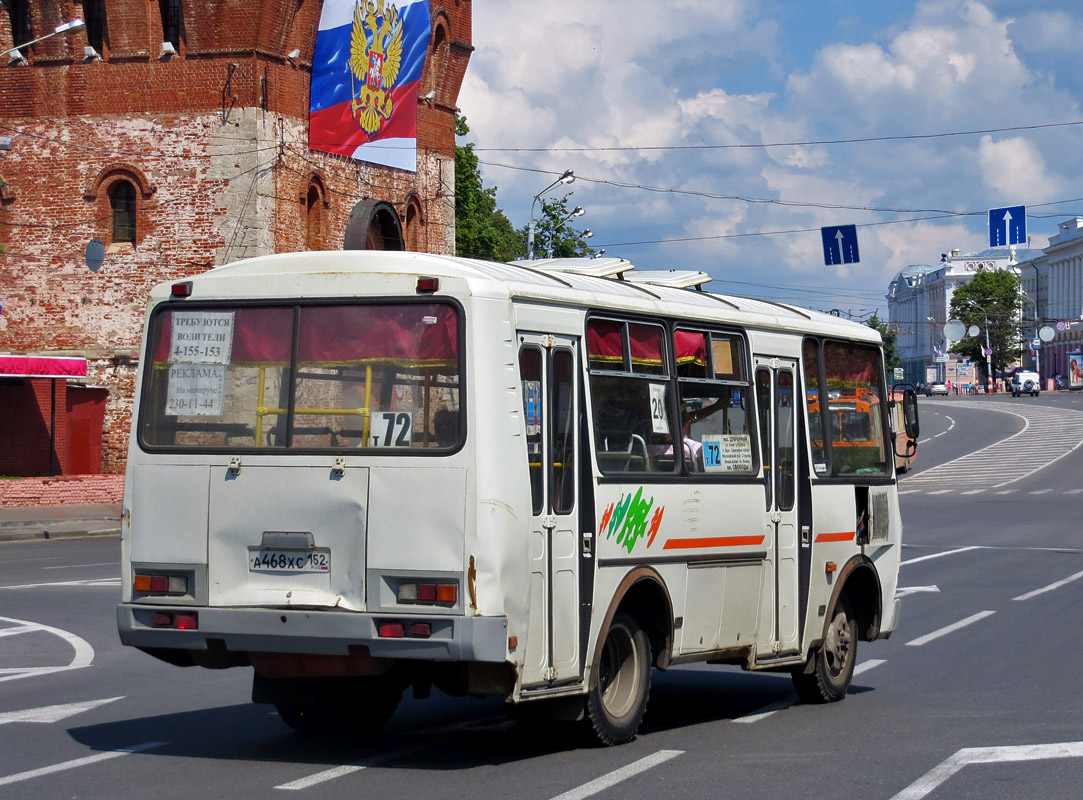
pixel 262 560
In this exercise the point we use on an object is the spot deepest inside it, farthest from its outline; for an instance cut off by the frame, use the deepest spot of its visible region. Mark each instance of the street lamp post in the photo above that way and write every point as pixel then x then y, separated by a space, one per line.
pixel 64 27
pixel 1037 322
pixel 567 177
pixel 578 211
pixel 990 379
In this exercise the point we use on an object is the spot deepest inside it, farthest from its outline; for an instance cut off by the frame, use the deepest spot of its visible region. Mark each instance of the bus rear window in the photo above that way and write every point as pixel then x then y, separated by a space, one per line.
pixel 381 377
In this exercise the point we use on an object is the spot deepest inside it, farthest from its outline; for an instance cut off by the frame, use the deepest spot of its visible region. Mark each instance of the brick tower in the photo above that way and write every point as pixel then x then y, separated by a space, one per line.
pixel 175 133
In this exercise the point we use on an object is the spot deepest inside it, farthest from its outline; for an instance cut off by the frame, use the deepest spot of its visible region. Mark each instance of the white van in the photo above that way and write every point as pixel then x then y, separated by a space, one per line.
pixel 1024 382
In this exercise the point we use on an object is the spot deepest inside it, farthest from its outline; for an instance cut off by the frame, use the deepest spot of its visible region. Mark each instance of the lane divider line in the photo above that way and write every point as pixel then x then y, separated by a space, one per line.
pixel 1050 587
pixel 618 775
pixel 918 642
pixel 78 762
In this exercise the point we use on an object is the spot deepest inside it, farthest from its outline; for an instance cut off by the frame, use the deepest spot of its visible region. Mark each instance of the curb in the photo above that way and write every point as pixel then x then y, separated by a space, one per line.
pixel 25 533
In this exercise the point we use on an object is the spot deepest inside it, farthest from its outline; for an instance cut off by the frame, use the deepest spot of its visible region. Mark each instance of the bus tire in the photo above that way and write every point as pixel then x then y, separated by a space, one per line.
pixel 833 662
pixel 621 682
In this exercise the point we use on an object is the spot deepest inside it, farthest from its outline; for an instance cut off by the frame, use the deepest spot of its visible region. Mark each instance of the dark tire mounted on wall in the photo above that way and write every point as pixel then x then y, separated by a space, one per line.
pixel 833 662
pixel 622 682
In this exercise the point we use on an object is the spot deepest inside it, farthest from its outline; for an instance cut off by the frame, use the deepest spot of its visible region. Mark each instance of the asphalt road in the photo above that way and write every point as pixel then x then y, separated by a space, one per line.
pixel 976 695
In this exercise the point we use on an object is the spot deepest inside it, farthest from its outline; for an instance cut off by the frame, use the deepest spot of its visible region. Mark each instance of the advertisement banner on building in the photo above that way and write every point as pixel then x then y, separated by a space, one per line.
pixel 366 71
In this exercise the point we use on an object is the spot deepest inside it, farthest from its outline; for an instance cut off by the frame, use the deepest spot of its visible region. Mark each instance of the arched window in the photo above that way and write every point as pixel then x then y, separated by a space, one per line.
pixel 437 61
pixel 94 15
pixel 415 227
pixel 122 203
pixel 314 216
pixel 19 16
pixel 171 21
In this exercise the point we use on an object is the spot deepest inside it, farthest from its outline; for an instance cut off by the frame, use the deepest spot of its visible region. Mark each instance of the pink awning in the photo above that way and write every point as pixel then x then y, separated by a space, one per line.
pixel 42 367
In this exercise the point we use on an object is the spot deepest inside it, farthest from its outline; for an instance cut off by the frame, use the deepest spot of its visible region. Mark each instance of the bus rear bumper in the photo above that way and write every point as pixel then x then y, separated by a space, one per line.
pixel 244 630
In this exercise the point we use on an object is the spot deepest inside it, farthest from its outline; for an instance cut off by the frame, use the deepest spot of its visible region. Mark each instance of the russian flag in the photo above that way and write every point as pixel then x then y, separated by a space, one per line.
pixel 332 126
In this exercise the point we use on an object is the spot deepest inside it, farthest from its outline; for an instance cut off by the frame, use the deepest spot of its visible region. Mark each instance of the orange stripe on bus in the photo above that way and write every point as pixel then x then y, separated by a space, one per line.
pixel 718 541
pixel 842 536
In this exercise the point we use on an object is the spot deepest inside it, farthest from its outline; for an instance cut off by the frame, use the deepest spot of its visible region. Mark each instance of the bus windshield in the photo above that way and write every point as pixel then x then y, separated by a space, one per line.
pixel 304 377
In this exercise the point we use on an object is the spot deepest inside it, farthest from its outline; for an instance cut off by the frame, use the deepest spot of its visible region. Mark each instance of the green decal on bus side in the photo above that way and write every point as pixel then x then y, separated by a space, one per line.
pixel 628 519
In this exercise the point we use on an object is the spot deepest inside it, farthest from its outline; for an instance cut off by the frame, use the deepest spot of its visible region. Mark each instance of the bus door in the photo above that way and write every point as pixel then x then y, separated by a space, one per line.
pixel 549 374
pixel 776 399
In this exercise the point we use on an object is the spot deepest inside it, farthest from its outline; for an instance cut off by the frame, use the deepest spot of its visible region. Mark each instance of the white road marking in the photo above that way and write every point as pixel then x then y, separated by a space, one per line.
pixel 941 491
pixel 84 653
pixel 1007 491
pixel 792 699
pixel 349 769
pixel 865 666
pixel 986 755
pixel 974 491
pixel 903 591
pixel 1050 587
pixel 769 709
pixel 78 762
pixel 622 774
pixel 918 642
pixel 1048 435
pixel 1074 491
pixel 80 566
pixel 48 714
pixel 938 555
pixel 1040 491
pixel 89 582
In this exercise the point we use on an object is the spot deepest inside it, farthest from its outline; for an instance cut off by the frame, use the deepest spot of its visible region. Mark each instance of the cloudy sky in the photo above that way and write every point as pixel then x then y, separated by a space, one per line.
pixel 722 134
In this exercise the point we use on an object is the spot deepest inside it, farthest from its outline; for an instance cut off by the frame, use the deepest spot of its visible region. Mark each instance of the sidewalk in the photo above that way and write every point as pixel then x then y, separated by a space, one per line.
pixel 59 522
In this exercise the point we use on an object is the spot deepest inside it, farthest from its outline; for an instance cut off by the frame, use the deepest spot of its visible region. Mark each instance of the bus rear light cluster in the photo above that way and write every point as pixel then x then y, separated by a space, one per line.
pixel 176 620
pixel 388 629
pixel 160 584
pixel 433 593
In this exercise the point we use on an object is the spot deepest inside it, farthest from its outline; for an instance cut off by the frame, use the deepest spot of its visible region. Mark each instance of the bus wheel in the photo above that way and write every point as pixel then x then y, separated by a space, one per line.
pixel 621 683
pixel 833 662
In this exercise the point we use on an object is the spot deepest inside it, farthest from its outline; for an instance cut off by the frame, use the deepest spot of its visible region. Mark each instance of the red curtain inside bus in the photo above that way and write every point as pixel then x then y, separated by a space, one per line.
pixel 409 335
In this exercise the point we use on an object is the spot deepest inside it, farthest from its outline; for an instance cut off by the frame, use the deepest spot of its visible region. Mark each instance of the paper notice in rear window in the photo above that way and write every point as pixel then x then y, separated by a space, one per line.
pixel 201 337
pixel 196 390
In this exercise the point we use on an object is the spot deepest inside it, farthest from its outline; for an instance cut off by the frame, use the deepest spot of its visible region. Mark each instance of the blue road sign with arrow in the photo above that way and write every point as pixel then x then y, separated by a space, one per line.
pixel 1007 226
pixel 840 244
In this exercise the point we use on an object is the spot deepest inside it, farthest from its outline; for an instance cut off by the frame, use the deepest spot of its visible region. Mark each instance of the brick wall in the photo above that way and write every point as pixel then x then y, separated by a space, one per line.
pixel 66 490
pixel 214 140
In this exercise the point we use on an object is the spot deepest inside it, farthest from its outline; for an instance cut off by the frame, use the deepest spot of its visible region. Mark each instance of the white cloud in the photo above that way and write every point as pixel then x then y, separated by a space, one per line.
pixel 612 74
pixel 1015 168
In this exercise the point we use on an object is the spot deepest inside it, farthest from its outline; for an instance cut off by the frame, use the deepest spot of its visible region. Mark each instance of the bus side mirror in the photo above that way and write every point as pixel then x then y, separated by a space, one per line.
pixel 909 409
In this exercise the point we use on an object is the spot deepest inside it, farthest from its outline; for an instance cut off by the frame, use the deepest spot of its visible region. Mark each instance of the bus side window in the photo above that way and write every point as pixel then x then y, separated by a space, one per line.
pixel 631 396
pixel 530 373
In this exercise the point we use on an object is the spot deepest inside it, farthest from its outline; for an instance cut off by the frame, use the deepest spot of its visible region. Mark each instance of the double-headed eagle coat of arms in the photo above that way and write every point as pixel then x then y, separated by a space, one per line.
pixel 375 58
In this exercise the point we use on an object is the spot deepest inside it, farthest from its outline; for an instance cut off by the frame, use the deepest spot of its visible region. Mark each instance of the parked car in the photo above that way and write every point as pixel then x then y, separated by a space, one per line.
pixel 936 387
pixel 1024 382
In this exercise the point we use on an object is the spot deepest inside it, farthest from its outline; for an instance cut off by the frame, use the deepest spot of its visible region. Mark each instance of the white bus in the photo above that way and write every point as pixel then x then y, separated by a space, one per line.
pixel 358 472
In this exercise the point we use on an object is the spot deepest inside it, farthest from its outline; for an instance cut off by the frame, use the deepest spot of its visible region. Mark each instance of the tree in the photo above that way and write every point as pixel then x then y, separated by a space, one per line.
pixel 891 350
pixel 481 229
pixel 991 302
pixel 553 232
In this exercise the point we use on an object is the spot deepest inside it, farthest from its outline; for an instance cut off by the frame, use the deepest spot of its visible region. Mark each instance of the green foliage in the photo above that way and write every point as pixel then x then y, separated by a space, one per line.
pixel 553 231
pixel 991 296
pixel 481 229
pixel 891 350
